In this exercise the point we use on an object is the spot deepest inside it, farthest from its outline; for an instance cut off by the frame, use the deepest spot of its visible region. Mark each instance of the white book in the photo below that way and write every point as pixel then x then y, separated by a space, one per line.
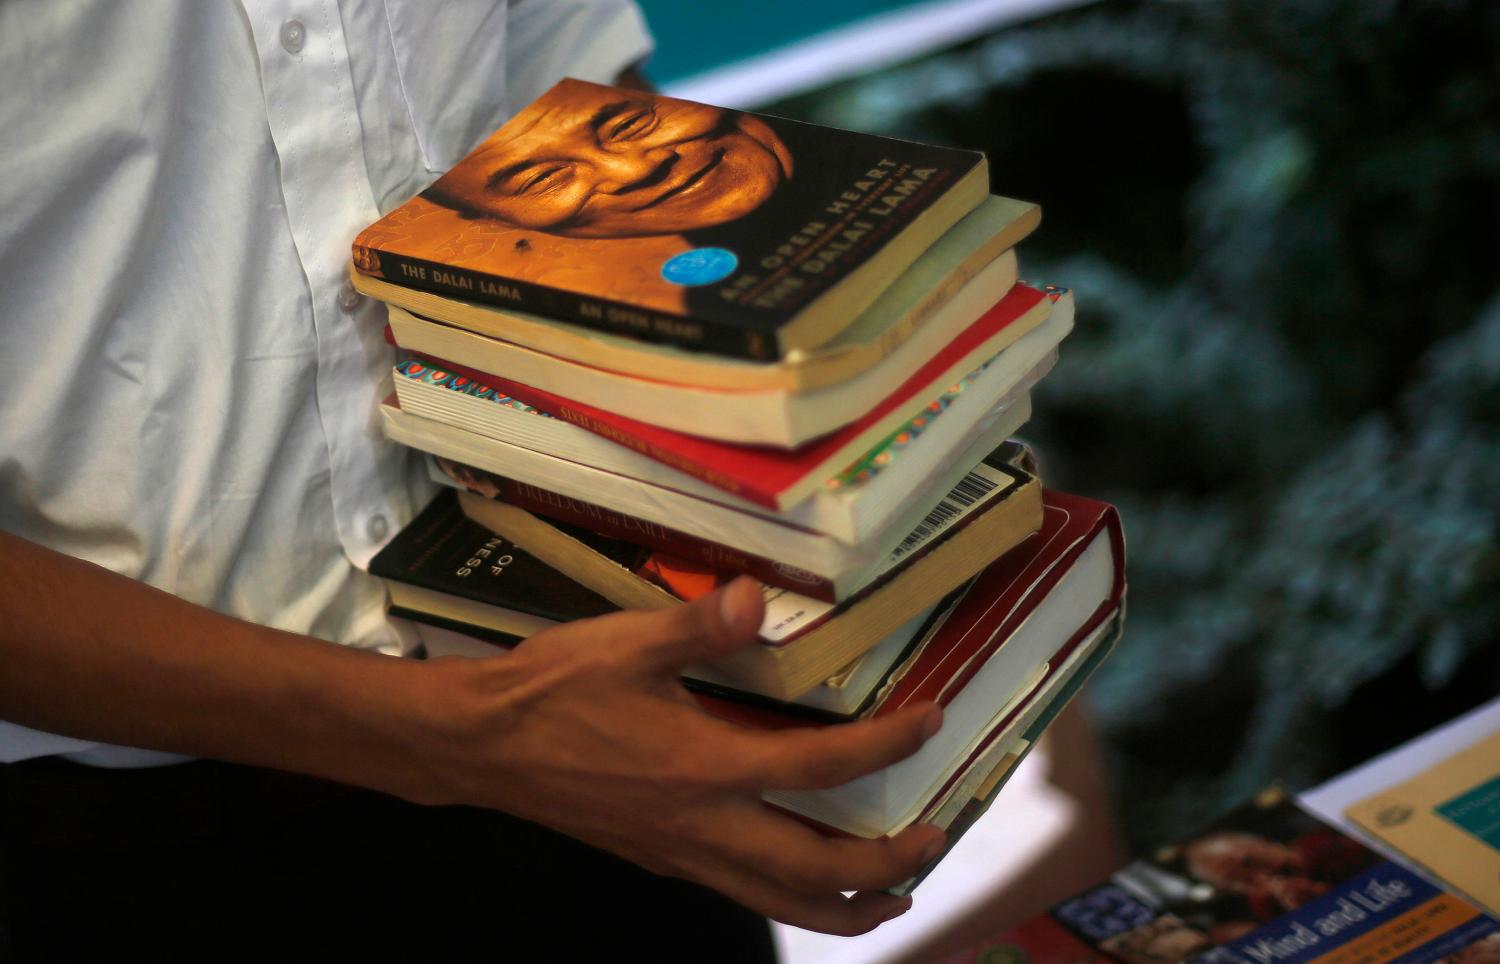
pixel 850 507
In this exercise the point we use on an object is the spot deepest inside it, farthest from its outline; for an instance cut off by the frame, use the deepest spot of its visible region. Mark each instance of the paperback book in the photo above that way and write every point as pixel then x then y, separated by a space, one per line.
pixel 456 571
pixel 563 489
pixel 737 233
pixel 1014 334
pixel 973 264
pixel 1447 820
pixel 775 478
pixel 988 510
pixel 850 504
pixel 1267 883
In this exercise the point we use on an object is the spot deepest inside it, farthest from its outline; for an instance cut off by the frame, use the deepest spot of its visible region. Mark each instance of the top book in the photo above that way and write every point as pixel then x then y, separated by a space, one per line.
pixel 736 233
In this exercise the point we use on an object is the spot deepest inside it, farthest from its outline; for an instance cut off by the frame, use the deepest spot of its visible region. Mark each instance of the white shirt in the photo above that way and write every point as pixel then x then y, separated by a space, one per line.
pixel 191 385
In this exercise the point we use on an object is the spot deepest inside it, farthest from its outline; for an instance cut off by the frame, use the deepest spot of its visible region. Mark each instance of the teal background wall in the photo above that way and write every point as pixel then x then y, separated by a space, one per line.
pixel 692 36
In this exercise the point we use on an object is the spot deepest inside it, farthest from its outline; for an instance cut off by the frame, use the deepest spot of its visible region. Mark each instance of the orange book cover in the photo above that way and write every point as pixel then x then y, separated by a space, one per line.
pixel 632 212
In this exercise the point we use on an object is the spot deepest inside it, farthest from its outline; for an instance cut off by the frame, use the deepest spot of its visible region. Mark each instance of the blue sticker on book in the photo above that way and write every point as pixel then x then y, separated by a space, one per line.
pixel 700 266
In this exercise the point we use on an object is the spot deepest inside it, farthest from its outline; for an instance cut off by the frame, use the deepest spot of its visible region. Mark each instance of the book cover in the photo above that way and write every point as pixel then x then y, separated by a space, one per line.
pixel 973 262
pixel 442 551
pixel 1447 820
pixel 1008 593
pixel 1268 883
pixel 742 234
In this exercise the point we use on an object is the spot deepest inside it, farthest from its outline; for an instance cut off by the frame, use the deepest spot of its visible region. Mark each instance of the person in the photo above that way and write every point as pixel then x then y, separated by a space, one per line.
pixel 191 484
pixel 586 161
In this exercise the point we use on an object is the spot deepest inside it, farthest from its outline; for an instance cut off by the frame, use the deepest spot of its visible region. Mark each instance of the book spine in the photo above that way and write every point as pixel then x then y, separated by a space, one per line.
pixel 560 408
pixel 616 525
pixel 602 314
pixel 483 633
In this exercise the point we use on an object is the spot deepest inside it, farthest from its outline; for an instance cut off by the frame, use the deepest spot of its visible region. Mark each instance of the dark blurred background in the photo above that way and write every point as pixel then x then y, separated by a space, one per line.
pixel 1282 221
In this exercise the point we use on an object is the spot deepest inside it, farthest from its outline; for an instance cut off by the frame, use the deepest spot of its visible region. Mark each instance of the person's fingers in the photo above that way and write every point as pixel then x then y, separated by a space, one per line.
pixel 838 915
pixel 806 862
pixel 829 912
pixel 813 758
pixel 718 624
pixel 858 864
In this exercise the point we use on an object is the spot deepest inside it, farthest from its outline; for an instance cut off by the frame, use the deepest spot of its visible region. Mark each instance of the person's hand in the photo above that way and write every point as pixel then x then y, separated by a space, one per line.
pixel 586 728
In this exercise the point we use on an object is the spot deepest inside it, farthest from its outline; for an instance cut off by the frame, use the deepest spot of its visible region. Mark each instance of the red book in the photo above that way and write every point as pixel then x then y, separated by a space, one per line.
pixel 1030 627
pixel 1009 592
pixel 781 478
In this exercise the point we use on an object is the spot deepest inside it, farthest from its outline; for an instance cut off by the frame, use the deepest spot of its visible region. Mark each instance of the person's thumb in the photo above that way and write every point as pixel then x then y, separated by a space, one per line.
pixel 720 623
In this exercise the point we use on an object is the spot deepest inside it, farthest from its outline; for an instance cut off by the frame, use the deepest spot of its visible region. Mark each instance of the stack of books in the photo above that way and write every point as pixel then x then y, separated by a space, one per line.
pixel 659 344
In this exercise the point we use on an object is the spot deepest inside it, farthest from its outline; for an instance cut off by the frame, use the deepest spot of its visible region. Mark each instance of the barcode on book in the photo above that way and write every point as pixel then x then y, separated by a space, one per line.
pixel 971 491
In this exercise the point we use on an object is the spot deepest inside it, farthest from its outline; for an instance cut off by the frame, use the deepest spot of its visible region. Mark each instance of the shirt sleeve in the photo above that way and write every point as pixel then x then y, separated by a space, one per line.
pixel 547 40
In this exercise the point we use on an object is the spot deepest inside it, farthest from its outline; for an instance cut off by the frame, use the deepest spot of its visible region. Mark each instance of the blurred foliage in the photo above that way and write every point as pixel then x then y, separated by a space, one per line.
pixel 1282 219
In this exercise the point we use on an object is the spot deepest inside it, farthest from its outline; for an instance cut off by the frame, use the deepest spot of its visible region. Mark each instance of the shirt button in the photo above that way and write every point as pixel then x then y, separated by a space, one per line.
pixel 349 298
pixel 377 527
pixel 293 34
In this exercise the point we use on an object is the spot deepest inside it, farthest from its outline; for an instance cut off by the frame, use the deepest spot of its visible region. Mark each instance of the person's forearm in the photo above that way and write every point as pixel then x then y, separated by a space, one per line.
pixel 584 727
pixel 86 652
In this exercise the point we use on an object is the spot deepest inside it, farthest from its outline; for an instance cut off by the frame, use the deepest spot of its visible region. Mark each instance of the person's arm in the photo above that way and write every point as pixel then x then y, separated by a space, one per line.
pixel 584 727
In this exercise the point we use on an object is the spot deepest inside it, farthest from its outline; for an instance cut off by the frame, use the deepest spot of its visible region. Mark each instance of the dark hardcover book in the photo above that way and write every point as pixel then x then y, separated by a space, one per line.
pixel 737 233
pixel 442 561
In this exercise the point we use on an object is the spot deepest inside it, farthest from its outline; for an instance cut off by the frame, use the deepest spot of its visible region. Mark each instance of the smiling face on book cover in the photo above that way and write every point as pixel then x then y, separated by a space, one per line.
pixel 586 161
pixel 726 223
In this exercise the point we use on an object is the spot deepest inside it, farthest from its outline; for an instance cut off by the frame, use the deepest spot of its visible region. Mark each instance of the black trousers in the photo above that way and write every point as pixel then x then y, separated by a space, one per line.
pixel 214 862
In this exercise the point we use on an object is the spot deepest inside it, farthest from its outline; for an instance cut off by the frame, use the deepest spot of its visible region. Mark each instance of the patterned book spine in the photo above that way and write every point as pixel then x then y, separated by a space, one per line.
pixel 438 371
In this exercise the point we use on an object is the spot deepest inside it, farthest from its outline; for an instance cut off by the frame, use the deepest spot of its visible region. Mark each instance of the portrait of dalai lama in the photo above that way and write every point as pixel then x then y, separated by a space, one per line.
pixel 587 161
